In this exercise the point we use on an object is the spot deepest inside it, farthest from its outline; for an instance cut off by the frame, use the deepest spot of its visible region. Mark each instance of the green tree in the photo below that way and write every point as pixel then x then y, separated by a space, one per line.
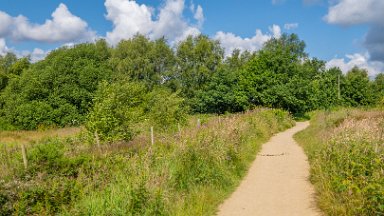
pixel 7 68
pixel 140 59
pixel 356 89
pixel 379 88
pixel 63 84
pixel 273 76
pixel 198 58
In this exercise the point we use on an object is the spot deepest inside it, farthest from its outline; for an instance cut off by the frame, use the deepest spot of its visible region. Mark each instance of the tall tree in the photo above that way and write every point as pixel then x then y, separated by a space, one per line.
pixel 356 88
pixel 197 60
pixel 140 59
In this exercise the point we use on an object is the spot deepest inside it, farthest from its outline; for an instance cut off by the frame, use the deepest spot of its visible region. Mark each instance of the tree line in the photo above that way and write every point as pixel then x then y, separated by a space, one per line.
pixel 139 79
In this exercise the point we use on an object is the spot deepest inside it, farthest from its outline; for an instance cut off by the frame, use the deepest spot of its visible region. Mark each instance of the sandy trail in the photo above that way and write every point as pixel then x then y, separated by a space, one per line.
pixel 276 183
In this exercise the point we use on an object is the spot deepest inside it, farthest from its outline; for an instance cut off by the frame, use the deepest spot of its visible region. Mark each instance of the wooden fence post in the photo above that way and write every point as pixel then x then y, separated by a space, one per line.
pixel 24 154
pixel 198 123
pixel 152 136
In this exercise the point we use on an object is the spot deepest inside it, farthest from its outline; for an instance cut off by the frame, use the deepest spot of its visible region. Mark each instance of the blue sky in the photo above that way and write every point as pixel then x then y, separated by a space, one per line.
pixel 342 32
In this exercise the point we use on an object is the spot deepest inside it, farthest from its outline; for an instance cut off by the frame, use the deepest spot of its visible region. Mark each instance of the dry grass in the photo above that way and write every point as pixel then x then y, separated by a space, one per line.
pixel 26 137
pixel 346 153
pixel 186 173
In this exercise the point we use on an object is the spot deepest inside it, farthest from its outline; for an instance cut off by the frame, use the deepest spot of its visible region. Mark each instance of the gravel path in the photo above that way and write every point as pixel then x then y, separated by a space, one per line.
pixel 276 183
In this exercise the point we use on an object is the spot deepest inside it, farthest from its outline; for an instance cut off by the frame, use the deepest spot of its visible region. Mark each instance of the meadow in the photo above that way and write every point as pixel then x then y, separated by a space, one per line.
pixel 346 152
pixel 186 172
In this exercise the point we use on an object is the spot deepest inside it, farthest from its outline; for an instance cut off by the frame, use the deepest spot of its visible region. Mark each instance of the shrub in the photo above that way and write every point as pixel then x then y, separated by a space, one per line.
pixel 164 108
pixel 121 106
pixel 117 107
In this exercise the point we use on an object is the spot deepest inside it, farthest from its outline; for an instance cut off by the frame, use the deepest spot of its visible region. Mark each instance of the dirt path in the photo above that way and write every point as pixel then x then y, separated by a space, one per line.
pixel 276 183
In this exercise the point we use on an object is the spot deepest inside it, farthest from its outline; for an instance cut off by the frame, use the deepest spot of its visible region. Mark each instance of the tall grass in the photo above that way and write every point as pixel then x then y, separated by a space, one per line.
pixel 189 173
pixel 24 137
pixel 346 153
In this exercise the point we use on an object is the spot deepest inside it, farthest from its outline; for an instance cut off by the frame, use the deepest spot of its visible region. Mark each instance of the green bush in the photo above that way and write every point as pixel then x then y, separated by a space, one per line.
pixel 47 198
pixel 120 106
pixel 49 157
pixel 117 107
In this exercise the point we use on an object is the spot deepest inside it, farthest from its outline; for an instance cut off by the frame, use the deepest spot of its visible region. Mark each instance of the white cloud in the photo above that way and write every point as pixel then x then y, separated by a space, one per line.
pixel 3 47
pixel 34 55
pixel 350 12
pixel 276 30
pixel 6 23
pixel 199 15
pixel 130 18
pixel 38 54
pixel 63 27
pixel 290 26
pixel 231 41
pixel 354 12
pixel 359 60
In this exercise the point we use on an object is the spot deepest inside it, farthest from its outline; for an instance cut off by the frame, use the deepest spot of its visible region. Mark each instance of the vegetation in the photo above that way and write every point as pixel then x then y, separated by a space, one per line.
pixel 184 173
pixel 113 95
pixel 65 88
pixel 345 149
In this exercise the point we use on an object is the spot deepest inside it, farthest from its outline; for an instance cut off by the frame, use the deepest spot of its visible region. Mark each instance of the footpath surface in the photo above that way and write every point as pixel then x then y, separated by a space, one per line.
pixel 276 183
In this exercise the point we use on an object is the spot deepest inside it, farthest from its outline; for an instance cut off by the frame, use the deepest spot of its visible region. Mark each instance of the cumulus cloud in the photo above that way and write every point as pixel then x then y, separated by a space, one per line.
pixel 351 12
pixel 3 47
pixel 63 27
pixel 290 26
pixel 374 42
pixel 37 54
pixel 359 60
pixel 34 55
pixel 6 23
pixel 129 18
pixel 276 31
pixel 231 41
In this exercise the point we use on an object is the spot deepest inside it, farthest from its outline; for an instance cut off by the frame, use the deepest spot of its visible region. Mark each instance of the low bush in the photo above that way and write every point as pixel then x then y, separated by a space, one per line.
pixel 120 106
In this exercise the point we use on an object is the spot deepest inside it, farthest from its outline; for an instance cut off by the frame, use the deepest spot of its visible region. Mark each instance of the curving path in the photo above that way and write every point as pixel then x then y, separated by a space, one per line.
pixel 276 183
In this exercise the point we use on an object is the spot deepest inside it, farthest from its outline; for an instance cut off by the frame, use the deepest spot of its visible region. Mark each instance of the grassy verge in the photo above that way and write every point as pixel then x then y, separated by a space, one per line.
pixel 186 173
pixel 14 138
pixel 346 153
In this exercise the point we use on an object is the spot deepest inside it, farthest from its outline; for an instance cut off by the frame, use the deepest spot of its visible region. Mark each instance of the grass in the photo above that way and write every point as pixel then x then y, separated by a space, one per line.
pixel 346 153
pixel 189 173
pixel 26 137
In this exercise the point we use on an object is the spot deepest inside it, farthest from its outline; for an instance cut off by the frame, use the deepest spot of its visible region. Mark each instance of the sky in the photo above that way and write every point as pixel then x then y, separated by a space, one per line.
pixel 344 33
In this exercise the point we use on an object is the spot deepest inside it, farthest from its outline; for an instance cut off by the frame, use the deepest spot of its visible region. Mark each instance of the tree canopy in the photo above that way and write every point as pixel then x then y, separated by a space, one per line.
pixel 90 81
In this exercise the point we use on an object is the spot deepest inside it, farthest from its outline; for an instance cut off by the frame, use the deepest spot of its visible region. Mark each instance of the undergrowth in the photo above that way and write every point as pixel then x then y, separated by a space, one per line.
pixel 346 152
pixel 184 173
